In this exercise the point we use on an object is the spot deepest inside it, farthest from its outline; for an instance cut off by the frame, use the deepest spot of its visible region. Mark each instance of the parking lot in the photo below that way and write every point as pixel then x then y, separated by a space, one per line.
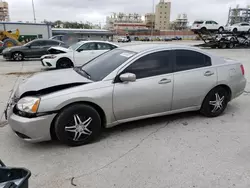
pixel 183 150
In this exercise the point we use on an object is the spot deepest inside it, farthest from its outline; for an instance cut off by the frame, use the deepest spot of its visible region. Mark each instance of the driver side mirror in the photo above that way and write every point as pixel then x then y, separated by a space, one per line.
pixel 128 77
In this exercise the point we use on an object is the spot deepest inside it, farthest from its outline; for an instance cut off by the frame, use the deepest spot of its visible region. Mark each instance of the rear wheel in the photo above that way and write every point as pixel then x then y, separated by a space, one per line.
pixel 215 102
pixel 221 29
pixel 17 56
pixel 203 30
pixel 235 30
pixel 223 45
pixel 231 45
pixel 64 63
pixel 77 125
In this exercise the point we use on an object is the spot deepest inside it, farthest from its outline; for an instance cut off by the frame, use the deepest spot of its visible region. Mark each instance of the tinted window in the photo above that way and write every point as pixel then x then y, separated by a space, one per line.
pixel 245 24
pixel 88 46
pixel 37 43
pixel 186 60
pixel 208 22
pixel 52 43
pixel 104 46
pixel 198 22
pixel 151 65
pixel 214 22
pixel 106 63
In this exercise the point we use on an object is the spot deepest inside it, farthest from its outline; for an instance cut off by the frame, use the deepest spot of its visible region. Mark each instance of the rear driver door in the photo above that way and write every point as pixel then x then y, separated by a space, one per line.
pixel 194 77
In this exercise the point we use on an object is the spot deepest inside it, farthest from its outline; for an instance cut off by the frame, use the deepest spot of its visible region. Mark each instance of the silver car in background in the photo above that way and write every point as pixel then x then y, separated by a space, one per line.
pixel 123 85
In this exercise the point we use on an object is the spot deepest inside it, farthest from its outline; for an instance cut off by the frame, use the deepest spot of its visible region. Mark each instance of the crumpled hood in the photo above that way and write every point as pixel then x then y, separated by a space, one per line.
pixel 59 48
pixel 50 79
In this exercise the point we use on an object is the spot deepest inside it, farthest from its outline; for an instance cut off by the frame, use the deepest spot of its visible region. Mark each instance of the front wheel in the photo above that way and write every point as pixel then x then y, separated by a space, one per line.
pixel 17 56
pixel 215 102
pixel 77 125
pixel 221 29
pixel 64 63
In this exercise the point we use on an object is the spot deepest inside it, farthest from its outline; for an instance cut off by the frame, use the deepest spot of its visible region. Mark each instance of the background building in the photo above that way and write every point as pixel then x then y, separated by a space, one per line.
pixel 162 15
pixel 150 20
pixel 4 11
pixel 119 18
pixel 237 15
pixel 181 23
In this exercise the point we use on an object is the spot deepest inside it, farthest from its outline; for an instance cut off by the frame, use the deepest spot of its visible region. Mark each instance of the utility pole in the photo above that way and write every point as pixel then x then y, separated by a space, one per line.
pixel 153 19
pixel 34 13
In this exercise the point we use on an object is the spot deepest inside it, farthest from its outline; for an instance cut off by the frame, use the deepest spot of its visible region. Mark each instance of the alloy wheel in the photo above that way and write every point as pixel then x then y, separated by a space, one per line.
pixel 79 129
pixel 217 104
pixel 17 56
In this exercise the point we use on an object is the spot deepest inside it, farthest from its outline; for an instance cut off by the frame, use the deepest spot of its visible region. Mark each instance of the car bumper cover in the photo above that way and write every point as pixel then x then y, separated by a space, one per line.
pixel 32 129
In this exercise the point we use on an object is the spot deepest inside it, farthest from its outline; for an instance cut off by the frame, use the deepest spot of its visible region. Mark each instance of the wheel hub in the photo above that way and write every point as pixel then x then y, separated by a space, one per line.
pixel 79 128
pixel 218 103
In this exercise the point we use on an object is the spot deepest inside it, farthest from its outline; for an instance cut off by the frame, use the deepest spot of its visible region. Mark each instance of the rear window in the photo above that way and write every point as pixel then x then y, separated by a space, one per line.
pixel 198 22
pixel 187 60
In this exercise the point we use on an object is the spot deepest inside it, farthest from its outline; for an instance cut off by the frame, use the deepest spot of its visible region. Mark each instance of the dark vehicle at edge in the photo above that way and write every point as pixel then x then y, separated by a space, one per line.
pixel 33 49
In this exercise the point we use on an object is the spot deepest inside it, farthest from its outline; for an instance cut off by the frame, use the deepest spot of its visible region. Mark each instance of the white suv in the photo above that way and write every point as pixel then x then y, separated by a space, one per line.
pixel 239 27
pixel 206 25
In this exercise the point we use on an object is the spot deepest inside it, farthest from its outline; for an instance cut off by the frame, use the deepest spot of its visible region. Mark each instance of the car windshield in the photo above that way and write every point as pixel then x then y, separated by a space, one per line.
pixel 28 44
pixel 103 65
pixel 75 46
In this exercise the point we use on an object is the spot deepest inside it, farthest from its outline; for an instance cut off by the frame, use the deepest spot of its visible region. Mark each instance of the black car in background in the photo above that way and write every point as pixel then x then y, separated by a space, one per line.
pixel 33 49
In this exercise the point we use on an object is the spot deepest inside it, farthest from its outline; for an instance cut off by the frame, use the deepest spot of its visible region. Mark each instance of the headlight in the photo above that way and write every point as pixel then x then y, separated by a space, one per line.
pixel 28 104
pixel 50 57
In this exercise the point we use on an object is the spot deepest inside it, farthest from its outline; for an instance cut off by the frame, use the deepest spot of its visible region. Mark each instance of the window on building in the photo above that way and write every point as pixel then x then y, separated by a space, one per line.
pixel 160 12
pixel 160 16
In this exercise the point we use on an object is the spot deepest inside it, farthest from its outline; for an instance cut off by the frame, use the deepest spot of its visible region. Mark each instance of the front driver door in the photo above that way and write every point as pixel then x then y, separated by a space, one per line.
pixel 35 49
pixel 151 93
pixel 85 53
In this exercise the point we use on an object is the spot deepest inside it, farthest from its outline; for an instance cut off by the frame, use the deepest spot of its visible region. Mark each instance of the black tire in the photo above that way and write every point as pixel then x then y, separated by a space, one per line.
pixel 235 30
pixel 248 31
pixel 223 45
pixel 68 117
pixel 8 42
pixel 208 109
pixel 231 45
pixel 221 29
pixel 17 56
pixel 64 63
pixel 203 30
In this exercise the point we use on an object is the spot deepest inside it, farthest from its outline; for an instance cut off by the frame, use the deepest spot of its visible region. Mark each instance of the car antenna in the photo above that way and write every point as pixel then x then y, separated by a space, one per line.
pixel 3 123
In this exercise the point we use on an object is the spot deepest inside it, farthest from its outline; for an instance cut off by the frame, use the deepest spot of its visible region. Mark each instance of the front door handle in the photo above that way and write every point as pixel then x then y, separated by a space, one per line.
pixel 208 73
pixel 165 81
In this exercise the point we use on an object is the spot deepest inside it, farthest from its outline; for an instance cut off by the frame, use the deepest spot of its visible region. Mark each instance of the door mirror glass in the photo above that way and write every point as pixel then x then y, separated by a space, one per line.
pixel 128 77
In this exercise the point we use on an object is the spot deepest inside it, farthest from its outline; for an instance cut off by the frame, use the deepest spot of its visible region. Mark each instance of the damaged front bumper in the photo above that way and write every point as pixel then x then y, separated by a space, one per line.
pixel 33 130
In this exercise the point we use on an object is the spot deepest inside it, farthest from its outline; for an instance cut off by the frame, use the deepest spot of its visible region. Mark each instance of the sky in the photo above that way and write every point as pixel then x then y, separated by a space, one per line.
pixel 96 11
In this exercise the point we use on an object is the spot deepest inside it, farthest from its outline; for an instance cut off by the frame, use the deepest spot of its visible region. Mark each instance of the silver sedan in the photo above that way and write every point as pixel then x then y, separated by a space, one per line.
pixel 125 84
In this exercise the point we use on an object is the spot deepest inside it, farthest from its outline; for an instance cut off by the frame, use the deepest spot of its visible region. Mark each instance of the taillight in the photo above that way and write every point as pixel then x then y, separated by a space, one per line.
pixel 242 70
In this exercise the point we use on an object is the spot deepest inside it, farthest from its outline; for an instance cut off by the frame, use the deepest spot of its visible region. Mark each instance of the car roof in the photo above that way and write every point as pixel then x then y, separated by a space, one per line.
pixel 47 40
pixel 139 48
pixel 87 41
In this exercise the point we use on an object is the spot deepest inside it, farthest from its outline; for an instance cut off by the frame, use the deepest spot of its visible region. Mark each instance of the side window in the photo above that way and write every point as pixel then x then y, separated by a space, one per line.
pixel 52 43
pixel 244 24
pixel 88 46
pixel 154 64
pixel 208 22
pixel 36 43
pixel 187 60
pixel 104 46
pixel 215 23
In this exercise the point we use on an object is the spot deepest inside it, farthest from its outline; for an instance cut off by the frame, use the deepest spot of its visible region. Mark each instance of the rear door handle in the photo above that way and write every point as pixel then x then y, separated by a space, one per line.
pixel 165 81
pixel 208 73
